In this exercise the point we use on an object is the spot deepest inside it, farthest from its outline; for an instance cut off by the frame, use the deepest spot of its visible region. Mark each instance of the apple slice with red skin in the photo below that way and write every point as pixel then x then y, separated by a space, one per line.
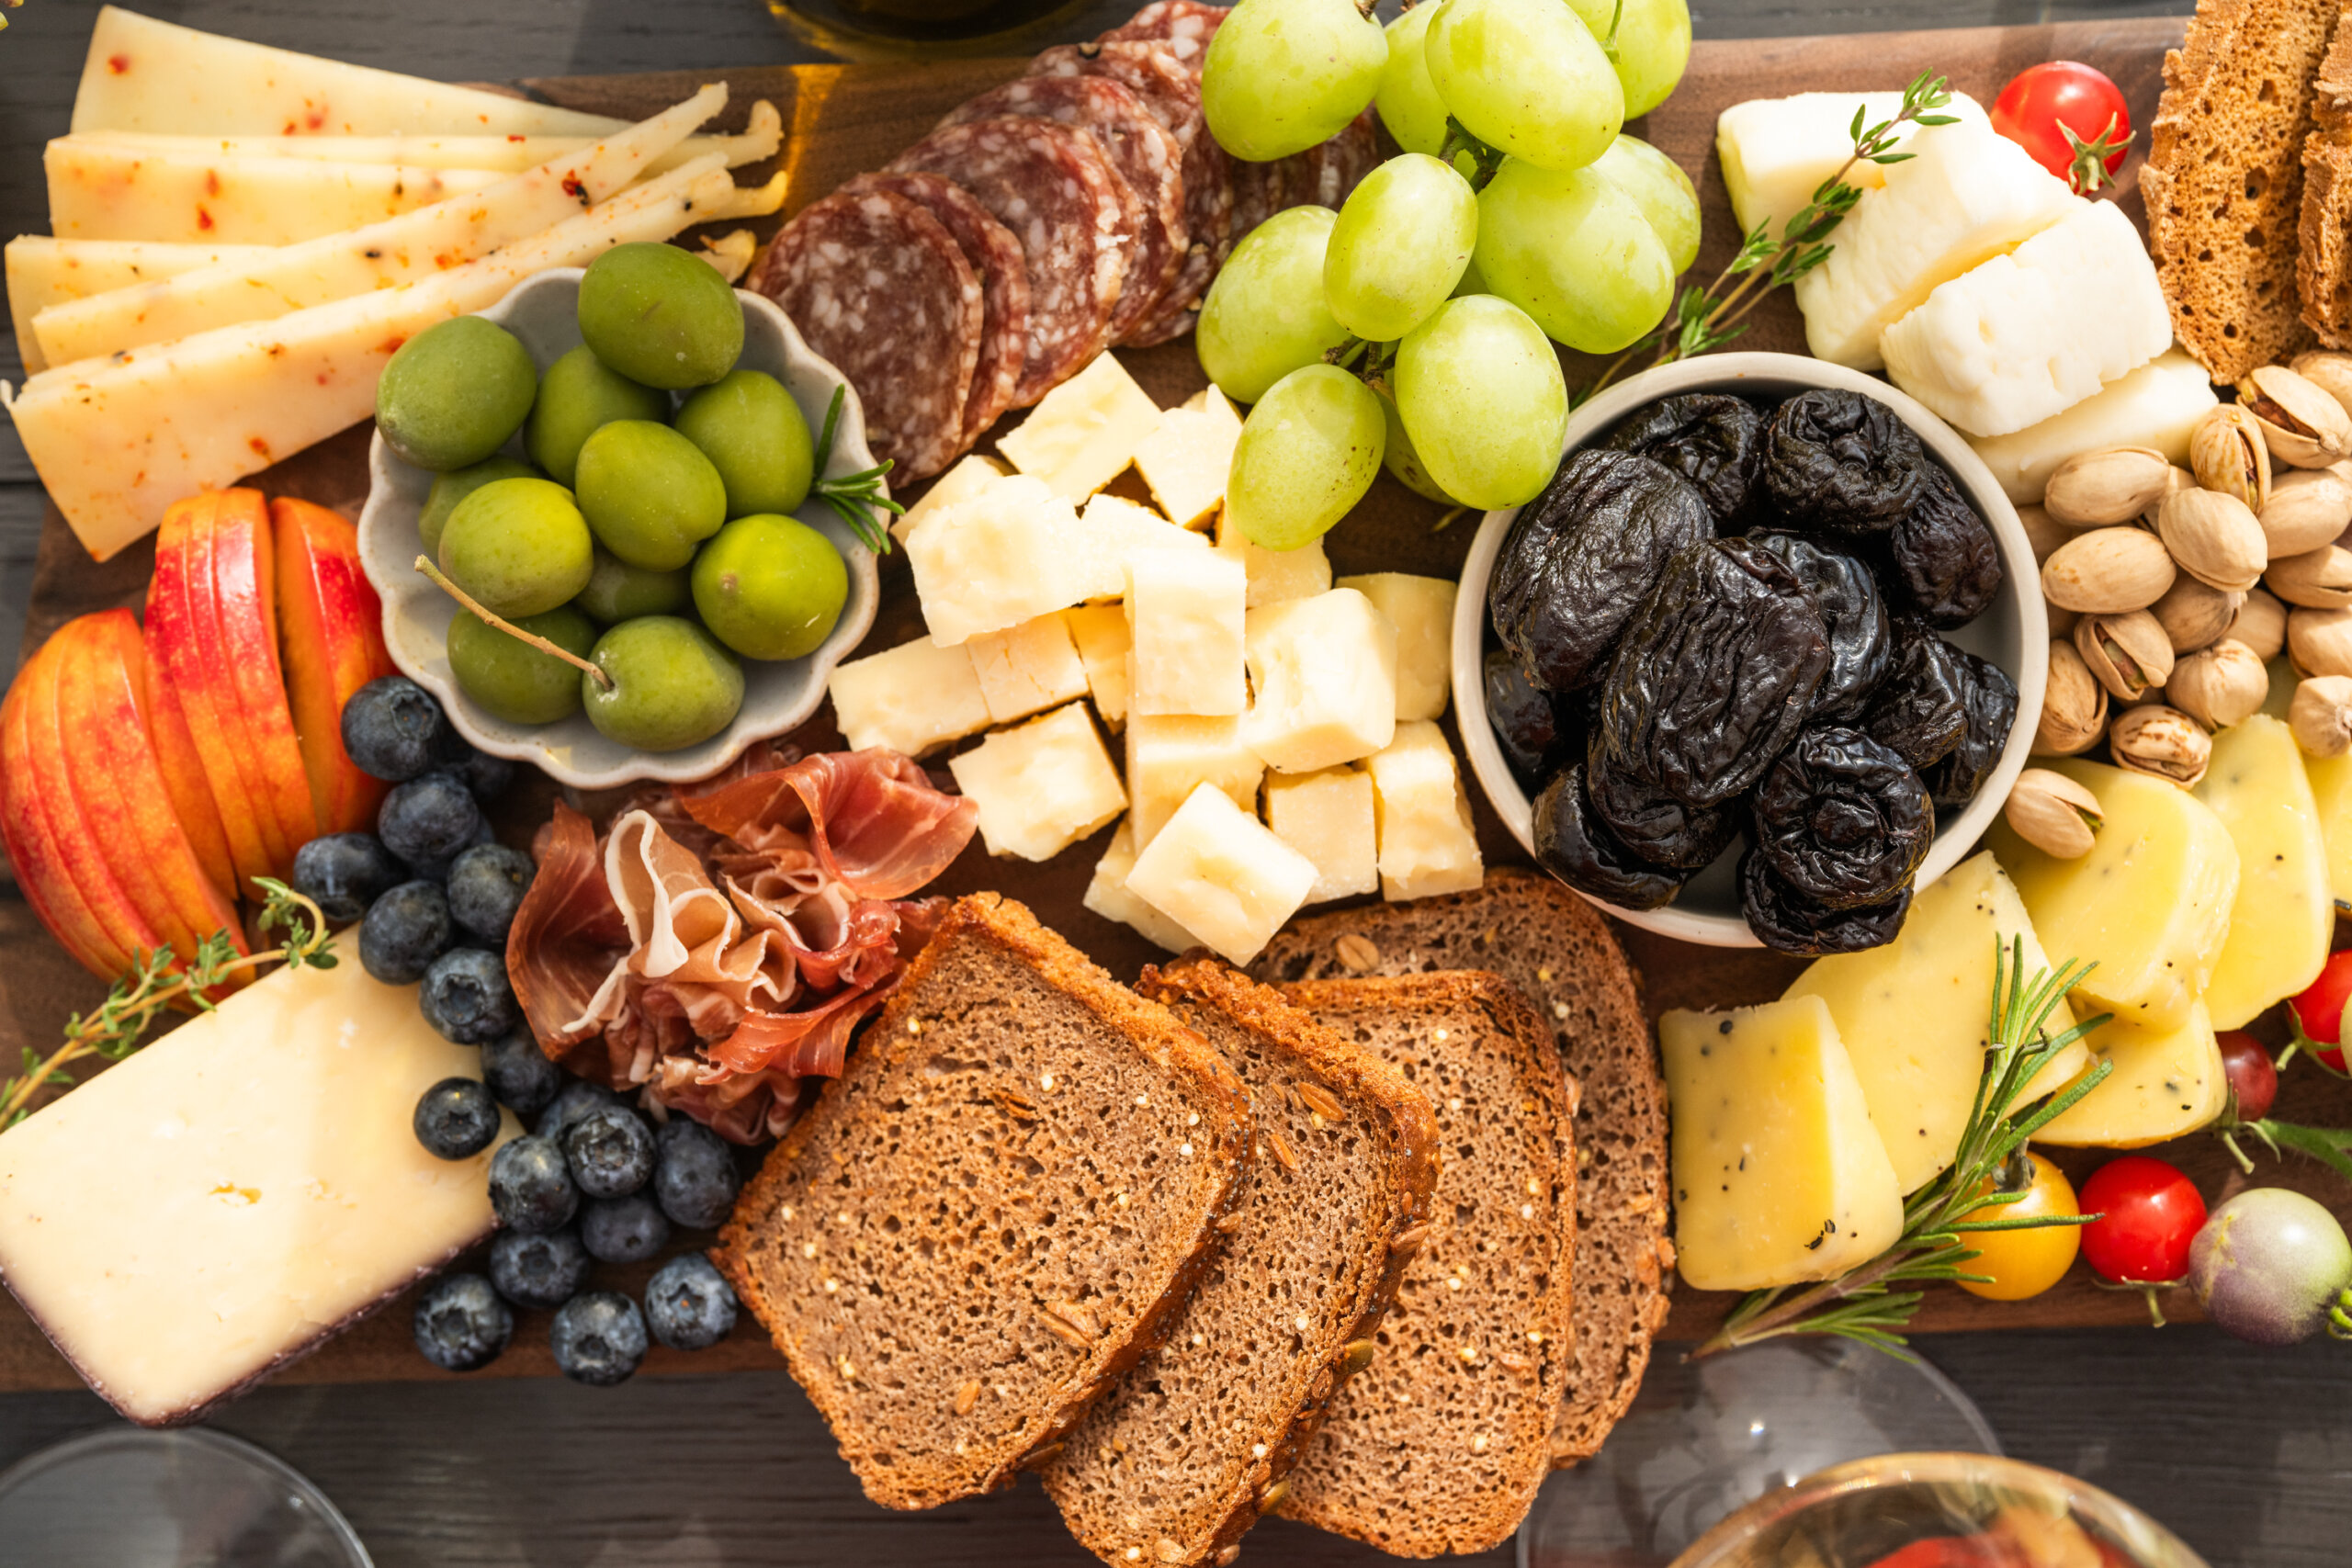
pixel 244 591
pixel 184 780
pixel 330 635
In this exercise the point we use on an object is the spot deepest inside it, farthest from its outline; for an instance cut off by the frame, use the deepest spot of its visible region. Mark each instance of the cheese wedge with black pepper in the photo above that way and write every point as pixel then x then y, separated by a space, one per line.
pixel 2284 916
pixel 2168 1082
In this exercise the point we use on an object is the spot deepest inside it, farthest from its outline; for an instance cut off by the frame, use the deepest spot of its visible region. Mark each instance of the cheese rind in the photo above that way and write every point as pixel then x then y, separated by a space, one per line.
pixel 2284 916
pixel 1422 608
pixel 2156 405
pixel 2167 1081
pixel 1427 845
pixel 99 190
pixel 911 698
pixel 1218 872
pixel 1186 613
pixel 1329 817
pixel 1169 755
pixel 1042 787
pixel 1027 669
pixel 1186 459
pixel 1107 896
pixel 1324 674
pixel 1084 433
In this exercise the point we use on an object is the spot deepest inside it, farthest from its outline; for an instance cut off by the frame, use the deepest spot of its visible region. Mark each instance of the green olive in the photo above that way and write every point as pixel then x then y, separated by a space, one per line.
pixel 454 487
pixel 452 394
pixel 752 432
pixel 659 315
pixel 673 684
pixel 578 395
pixel 618 591
pixel 512 679
pixel 518 546
pixel 770 587
pixel 649 495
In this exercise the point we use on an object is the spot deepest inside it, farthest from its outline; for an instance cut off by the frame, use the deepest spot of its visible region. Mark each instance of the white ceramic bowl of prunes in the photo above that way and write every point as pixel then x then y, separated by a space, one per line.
pixel 1765 657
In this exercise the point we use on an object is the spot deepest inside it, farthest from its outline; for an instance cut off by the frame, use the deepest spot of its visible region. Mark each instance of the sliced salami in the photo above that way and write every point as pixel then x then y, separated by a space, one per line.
pixel 996 259
pixel 880 287
pixel 1049 185
pixel 1184 25
pixel 1138 149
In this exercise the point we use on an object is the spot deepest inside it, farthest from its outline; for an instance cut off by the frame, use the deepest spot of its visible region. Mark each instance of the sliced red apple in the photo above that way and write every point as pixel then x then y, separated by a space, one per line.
pixel 330 638
pixel 183 773
pixel 245 596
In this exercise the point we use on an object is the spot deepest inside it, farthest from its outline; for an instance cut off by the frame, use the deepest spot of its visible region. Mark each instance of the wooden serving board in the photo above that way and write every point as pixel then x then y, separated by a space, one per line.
pixel 846 119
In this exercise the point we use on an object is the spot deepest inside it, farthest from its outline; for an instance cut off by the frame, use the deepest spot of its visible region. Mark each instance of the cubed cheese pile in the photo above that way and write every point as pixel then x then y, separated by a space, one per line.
pixel 1277 733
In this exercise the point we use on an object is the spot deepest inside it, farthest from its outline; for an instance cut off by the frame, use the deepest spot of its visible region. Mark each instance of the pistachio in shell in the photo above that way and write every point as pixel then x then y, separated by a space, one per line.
pixel 2161 743
pixel 2320 641
pixel 2227 454
pixel 2194 615
pixel 2261 624
pixel 2053 813
pixel 2113 484
pixel 2308 508
pixel 2220 685
pixel 2319 580
pixel 2320 716
pixel 2214 538
pixel 2302 424
pixel 2074 706
pixel 2328 369
pixel 2109 571
pixel 2129 653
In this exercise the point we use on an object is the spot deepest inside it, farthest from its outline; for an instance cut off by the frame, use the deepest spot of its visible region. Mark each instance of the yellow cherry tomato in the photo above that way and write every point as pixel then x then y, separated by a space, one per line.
pixel 2025 1263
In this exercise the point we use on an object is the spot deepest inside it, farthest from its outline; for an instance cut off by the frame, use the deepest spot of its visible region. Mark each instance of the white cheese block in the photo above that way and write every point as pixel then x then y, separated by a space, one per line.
pixel 1107 896
pixel 1084 433
pixel 44 274
pixel 205 1211
pixel 1042 787
pixel 1778 1176
pixel 2284 917
pixel 2031 333
pixel 1186 459
pixel 1323 672
pixel 997 558
pixel 505 154
pixel 1170 755
pixel 1422 608
pixel 1186 613
pixel 1777 151
pixel 1966 195
pixel 2168 1082
pixel 974 474
pixel 1100 633
pixel 1328 817
pixel 2156 405
pixel 1113 528
pixel 1427 845
pixel 98 191
pixel 1027 669
pixel 1216 871
pixel 911 698
pixel 1275 575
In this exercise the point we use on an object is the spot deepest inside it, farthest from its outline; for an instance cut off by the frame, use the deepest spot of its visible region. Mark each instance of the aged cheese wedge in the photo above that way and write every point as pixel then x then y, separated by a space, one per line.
pixel 1084 433
pixel 1220 874
pixel 2284 916
pixel 2156 405
pixel 1107 895
pixel 1915 1015
pixel 99 191
pixel 1323 682
pixel 197 1216
pixel 1779 1176
pixel 1275 575
pixel 1427 844
pixel 1100 633
pixel 1185 613
pixel 1169 755
pixel 2167 1081
pixel 1329 817
pixel 2331 781
pixel 2150 905
pixel 1042 785
pixel 1113 528
pixel 958 485
pixel 1186 458
pixel 1422 608
pixel 1777 151
pixel 1027 669
pixel 505 154
pixel 44 274
pixel 911 698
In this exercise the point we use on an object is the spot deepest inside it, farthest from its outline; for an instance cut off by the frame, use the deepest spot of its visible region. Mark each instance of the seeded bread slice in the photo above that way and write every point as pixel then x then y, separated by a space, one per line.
pixel 1173 1464
pixel 987 1218
pixel 1440 1444
pixel 1559 951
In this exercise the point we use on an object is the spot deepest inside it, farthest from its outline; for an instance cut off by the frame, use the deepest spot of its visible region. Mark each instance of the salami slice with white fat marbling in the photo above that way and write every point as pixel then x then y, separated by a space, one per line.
pixel 879 287
pixel 1184 25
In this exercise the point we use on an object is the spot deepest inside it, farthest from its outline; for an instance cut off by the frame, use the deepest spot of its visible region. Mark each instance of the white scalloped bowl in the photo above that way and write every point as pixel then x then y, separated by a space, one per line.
pixel 2014 634
pixel 779 695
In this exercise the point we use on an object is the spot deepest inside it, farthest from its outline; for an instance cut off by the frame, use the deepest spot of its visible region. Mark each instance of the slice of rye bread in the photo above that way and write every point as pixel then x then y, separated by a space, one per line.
pixel 989 1214
pixel 1559 951
pixel 1172 1464
pixel 2225 178
pixel 2324 253
pixel 1440 1444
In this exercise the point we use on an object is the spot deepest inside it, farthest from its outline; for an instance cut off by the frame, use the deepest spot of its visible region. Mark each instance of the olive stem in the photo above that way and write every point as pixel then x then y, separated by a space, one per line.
pixel 490 618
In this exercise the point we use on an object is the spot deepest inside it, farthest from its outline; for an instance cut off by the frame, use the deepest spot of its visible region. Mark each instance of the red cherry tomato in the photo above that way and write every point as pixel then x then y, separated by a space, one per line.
pixel 2149 1212
pixel 2043 103
pixel 2319 1011
pixel 2253 1080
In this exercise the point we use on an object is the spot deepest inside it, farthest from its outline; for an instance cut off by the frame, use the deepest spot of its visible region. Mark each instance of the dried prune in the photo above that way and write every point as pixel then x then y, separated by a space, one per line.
pixel 1840 463
pixel 1712 439
pixel 1527 723
pixel 1860 646
pixel 1576 847
pixel 1944 555
pixel 1715 677
pixel 1582 559
pixel 1920 709
pixel 1786 919
pixel 1841 818
pixel 1990 700
pixel 1653 824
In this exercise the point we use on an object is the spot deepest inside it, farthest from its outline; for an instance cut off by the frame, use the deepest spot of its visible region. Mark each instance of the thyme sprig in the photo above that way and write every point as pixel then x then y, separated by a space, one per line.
pixel 1864 1303
pixel 854 497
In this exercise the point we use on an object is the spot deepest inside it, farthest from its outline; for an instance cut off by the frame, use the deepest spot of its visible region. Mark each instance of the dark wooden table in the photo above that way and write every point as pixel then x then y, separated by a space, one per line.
pixel 2247 1453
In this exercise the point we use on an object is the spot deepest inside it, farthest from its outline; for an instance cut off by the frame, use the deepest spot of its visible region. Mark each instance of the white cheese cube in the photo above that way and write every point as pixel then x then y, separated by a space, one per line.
pixel 1100 632
pixel 1324 673
pixel 910 698
pixel 1185 461
pixel 1328 817
pixel 1032 667
pixel 1277 575
pixel 1427 845
pixel 958 485
pixel 1422 608
pixel 1113 528
pixel 1186 611
pixel 1776 152
pixel 1040 788
pixel 1085 431
pixel 2157 405
pixel 1170 755
pixel 1005 556
pixel 1218 872
pixel 1108 897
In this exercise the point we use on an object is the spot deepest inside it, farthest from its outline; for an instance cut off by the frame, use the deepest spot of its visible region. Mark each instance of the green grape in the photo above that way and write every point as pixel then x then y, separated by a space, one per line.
pixel 770 587
pixel 1403 463
pixel 1573 250
pixel 520 547
pixel 1307 453
pixel 451 395
pixel 1399 247
pixel 1408 99
pixel 1651 47
pixel 619 591
pixel 1482 392
pixel 578 395
pixel 1526 76
pixel 673 684
pixel 1282 75
pixel 648 493
pixel 659 315
pixel 1664 192
pixel 1265 315
pixel 512 679
pixel 753 434
pixel 454 487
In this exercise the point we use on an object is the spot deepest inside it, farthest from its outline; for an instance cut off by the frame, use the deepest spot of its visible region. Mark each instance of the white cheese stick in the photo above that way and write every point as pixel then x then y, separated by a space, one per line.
pixel 43 272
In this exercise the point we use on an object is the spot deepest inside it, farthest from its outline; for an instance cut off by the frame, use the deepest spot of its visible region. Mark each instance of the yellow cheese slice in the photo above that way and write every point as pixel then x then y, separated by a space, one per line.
pixel 2284 916
pixel 98 191
pixel 2331 781
pixel 44 272
pixel 2167 1081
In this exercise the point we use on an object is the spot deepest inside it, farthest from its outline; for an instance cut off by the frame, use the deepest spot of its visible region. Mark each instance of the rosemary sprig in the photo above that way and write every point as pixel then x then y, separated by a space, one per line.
pixel 158 978
pixel 1863 1304
pixel 854 497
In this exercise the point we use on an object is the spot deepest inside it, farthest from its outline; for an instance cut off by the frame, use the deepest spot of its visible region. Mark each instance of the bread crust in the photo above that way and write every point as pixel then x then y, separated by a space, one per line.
pixel 2323 238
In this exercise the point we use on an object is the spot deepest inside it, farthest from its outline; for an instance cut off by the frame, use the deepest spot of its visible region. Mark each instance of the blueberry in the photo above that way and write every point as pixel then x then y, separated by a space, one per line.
pixel 575 1100
pixel 689 1305
pixel 519 1073
pixel 393 730
pixel 461 1323
pixel 429 819
pixel 486 776
pixel 598 1338
pixel 486 887
pixel 611 1151
pixel 456 1119
pixel 696 1181
pixel 405 929
pixel 467 997
pixel 537 1270
pixel 344 873
pixel 623 1230
pixel 530 1187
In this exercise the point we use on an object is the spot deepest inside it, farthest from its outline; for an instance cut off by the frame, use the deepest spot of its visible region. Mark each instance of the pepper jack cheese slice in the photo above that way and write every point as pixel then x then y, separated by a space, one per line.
pixel 194 1218
pixel 2284 917
pixel 101 191
pixel 44 274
